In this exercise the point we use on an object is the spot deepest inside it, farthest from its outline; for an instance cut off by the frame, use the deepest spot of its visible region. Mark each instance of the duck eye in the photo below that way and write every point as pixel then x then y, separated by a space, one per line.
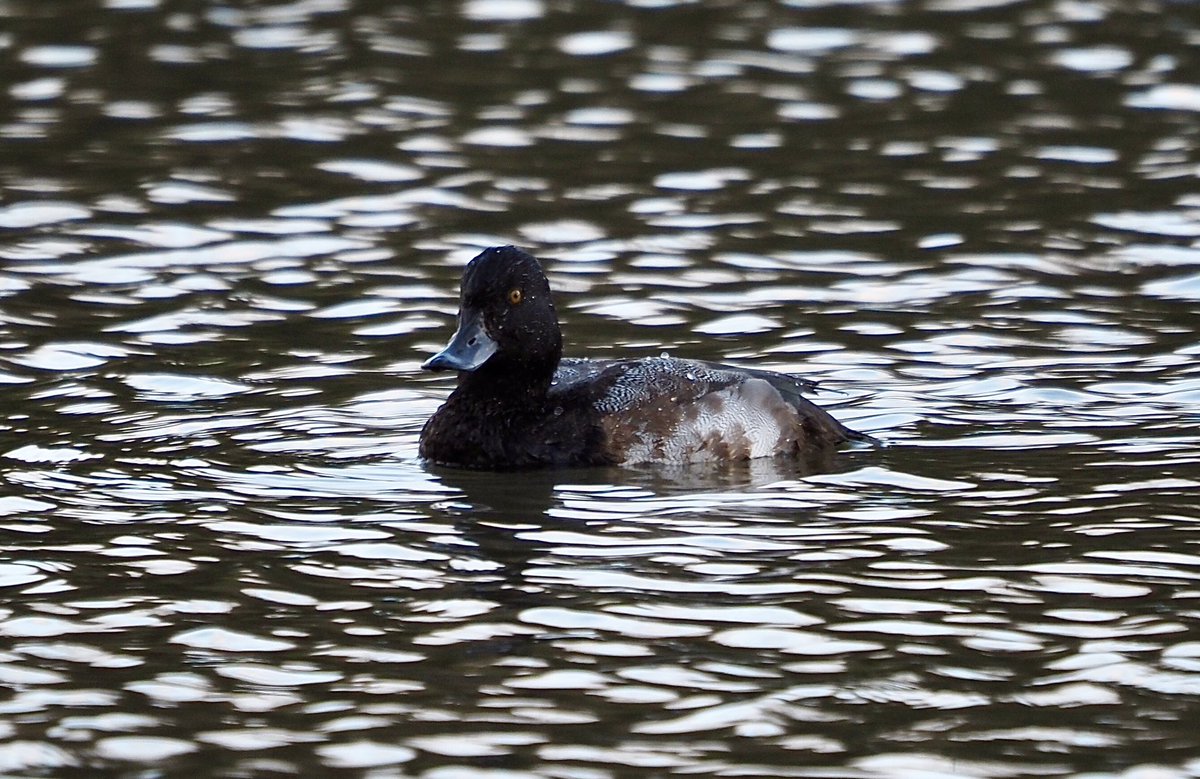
pixel 514 296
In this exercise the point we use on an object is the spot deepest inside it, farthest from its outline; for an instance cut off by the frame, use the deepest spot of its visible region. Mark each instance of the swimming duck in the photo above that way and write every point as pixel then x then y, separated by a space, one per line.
pixel 519 404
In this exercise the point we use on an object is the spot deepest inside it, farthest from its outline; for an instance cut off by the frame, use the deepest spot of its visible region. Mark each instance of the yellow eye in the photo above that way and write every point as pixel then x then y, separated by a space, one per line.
pixel 514 296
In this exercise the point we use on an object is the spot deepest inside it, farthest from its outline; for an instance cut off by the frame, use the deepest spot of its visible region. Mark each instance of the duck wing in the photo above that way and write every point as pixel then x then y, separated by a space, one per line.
pixel 672 410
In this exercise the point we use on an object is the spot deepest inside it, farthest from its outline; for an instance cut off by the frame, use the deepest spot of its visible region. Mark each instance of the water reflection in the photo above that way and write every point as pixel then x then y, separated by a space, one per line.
pixel 231 235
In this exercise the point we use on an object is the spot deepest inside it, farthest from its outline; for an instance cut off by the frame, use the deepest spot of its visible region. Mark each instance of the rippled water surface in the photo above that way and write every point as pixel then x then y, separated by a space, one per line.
pixel 231 233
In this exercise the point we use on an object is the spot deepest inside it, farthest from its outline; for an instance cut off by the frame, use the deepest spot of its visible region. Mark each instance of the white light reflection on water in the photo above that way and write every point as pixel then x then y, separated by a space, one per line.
pixel 221 549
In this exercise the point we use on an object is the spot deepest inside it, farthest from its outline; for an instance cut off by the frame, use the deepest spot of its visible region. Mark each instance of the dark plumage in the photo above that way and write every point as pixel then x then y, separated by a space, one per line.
pixel 518 404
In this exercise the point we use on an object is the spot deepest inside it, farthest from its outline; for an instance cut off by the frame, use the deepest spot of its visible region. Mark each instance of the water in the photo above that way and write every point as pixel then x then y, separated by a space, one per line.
pixel 232 234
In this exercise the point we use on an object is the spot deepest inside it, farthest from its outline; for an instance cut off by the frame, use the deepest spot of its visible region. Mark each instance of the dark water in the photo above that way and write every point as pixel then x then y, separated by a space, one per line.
pixel 232 232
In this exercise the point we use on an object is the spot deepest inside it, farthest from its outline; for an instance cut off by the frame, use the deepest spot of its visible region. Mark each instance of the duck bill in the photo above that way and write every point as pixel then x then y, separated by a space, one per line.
pixel 470 347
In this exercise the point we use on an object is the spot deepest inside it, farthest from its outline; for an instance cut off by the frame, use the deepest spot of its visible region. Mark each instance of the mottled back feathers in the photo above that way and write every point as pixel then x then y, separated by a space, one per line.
pixel 663 409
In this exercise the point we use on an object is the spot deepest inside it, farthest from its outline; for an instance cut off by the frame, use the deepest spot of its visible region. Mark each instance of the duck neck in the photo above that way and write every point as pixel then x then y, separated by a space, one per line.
pixel 510 382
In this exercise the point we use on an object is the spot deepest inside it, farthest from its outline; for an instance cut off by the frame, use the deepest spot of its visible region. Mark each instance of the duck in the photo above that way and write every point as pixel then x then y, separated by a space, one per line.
pixel 519 404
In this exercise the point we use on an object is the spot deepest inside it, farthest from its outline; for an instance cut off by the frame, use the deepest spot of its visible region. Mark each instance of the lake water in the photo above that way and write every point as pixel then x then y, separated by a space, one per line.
pixel 232 232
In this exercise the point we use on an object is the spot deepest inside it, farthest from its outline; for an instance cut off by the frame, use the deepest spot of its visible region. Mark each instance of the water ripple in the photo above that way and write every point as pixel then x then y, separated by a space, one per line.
pixel 232 237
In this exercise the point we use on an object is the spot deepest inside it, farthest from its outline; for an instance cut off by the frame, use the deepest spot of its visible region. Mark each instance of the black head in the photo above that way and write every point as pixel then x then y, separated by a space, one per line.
pixel 506 319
